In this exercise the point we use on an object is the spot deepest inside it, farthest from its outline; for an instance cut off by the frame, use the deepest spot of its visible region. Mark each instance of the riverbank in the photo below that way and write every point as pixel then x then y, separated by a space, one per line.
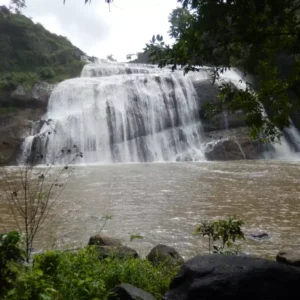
pixel 106 269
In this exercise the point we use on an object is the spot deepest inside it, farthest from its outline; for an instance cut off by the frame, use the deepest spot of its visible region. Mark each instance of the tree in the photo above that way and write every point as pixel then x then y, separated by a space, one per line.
pixel 129 56
pixel 89 1
pixel 17 5
pixel 31 193
pixel 111 58
pixel 260 37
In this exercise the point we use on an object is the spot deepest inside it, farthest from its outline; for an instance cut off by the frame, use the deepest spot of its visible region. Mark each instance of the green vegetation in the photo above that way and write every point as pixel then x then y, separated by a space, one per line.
pixel 10 253
pixel 260 37
pixel 226 232
pixel 82 275
pixel 85 274
pixel 29 53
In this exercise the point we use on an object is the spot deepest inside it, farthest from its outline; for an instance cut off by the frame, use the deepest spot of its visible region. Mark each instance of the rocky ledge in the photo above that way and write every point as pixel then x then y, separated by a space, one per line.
pixel 20 114
pixel 232 144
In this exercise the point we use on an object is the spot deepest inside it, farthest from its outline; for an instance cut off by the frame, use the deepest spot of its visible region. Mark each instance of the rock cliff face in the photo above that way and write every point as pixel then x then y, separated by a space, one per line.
pixel 20 114
pixel 226 134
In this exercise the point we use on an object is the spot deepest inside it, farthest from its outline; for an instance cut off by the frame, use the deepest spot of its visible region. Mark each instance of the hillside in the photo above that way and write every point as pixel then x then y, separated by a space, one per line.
pixel 32 60
pixel 30 53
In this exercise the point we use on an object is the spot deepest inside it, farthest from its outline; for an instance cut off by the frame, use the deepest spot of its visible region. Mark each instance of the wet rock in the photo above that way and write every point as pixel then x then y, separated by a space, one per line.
pixel 104 240
pixel 163 253
pixel 118 252
pixel 21 109
pixel 233 149
pixel 36 96
pixel 221 121
pixel 184 157
pixel 289 257
pixel 259 235
pixel 126 291
pixel 226 277
pixel 14 127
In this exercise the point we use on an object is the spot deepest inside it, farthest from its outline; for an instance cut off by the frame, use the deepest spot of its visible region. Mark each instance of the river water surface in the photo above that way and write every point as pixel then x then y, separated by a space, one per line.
pixel 164 202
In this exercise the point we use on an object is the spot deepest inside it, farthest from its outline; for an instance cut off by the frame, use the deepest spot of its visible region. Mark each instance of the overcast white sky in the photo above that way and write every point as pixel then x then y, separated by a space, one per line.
pixel 96 31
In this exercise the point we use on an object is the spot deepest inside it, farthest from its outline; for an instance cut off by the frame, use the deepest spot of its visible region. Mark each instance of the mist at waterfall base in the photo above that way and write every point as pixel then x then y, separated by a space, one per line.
pixel 122 113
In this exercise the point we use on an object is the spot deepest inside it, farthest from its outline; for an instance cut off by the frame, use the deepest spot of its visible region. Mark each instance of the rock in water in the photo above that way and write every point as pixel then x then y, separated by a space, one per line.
pixel 126 291
pixel 259 235
pixel 229 277
pixel 234 149
pixel 163 253
pixel 104 240
pixel 289 257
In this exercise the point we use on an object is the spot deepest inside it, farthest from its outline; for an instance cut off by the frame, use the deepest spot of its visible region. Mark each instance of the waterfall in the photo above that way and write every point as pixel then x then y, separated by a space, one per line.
pixel 119 112
pixel 125 113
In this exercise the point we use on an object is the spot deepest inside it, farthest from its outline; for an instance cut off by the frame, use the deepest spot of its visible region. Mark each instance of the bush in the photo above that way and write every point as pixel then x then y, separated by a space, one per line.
pixel 226 232
pixel 10 81
pixel 46 73
pixel 82 275
pixel 10 253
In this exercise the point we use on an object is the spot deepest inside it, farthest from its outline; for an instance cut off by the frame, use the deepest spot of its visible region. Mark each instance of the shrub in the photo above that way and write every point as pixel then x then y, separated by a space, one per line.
pixel 82 275
pixel 46 73
pixel 10 252
pixel 226 232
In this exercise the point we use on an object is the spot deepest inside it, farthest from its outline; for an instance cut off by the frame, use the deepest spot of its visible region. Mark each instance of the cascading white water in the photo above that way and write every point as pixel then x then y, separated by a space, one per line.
pixel 133 113
pixel 125 113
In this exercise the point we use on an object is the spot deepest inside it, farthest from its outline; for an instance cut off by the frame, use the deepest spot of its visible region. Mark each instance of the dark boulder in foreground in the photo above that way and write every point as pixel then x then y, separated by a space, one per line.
pixel 289 257
pixel 126 291
pixel 234 278
pixel 162 253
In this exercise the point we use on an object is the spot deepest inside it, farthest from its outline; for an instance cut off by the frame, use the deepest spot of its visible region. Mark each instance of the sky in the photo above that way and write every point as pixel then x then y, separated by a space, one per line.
pixel 98 32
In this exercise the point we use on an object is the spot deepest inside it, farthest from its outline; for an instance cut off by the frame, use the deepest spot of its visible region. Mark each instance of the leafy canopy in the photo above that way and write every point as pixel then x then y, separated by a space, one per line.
pixel 260 37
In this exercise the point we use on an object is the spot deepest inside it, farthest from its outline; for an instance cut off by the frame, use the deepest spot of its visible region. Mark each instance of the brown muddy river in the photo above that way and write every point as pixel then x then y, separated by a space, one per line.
pixel 164 202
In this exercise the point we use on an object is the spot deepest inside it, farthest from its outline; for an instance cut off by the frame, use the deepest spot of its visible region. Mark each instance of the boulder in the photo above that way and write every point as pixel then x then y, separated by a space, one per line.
pixel 289 257
pixel 118 252
pixel 233 148
pixel 234 278
pixel 126 291
pixel 163 253
pixel 259 235
pixel 104 240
